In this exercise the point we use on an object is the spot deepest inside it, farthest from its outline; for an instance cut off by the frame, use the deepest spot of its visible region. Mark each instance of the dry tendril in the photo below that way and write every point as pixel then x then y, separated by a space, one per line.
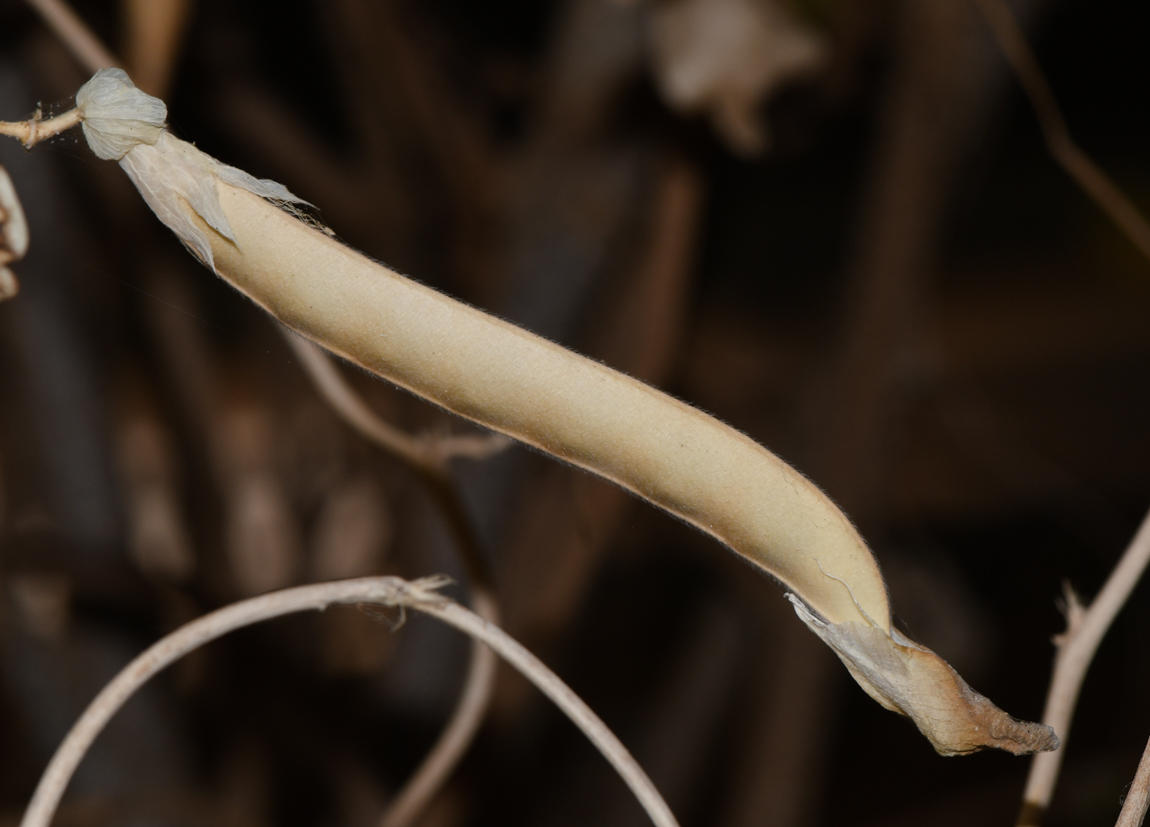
pixel 418 595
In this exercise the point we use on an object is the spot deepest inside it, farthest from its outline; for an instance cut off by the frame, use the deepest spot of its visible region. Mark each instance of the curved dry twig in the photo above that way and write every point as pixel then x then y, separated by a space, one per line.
pixel 1076 648
pixel 419 595
pixel 1078 165
pixel 457 736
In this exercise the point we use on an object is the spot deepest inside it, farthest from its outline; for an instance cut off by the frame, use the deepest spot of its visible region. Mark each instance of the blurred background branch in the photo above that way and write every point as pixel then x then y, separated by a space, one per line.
pixel 1088 175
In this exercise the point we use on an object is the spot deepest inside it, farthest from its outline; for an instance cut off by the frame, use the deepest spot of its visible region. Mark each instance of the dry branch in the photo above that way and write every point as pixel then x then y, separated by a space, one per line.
pixel 153 33
pixel 35 129
pixel 429 777
pixel 1138 799
pixel 1078 165
pixel 1076 648
pixel 426 455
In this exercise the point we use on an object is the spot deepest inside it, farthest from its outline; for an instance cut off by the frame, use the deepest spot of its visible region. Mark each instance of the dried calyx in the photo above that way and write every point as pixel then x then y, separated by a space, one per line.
pixel 908 678
pixel 122 123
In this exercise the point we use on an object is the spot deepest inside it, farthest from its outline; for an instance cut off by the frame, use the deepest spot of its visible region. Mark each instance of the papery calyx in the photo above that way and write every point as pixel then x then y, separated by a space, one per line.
pixel 117 116
pixel 908 678
pixel 124 124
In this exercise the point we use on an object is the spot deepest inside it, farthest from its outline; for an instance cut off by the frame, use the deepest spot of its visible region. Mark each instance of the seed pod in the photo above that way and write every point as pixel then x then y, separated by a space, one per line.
pixel 514 382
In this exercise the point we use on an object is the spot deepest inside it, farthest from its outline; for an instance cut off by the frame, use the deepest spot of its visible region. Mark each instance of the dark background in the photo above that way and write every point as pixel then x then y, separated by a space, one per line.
pixel 903 295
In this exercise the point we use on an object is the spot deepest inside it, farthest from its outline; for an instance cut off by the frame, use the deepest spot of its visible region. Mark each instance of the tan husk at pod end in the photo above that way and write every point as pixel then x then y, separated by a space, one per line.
pixel 910 679
pixel 519 384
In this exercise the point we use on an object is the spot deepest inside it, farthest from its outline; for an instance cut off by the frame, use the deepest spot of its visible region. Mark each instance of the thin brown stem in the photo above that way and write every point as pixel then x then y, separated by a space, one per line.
pixel 1138 799
pixel 88 50
pixel 1076 648
pixel 1078 165
pixel 34 130
pixel 80 40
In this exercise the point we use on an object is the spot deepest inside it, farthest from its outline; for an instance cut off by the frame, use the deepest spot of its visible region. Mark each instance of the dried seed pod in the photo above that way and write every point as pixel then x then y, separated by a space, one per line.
pixel 516 383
